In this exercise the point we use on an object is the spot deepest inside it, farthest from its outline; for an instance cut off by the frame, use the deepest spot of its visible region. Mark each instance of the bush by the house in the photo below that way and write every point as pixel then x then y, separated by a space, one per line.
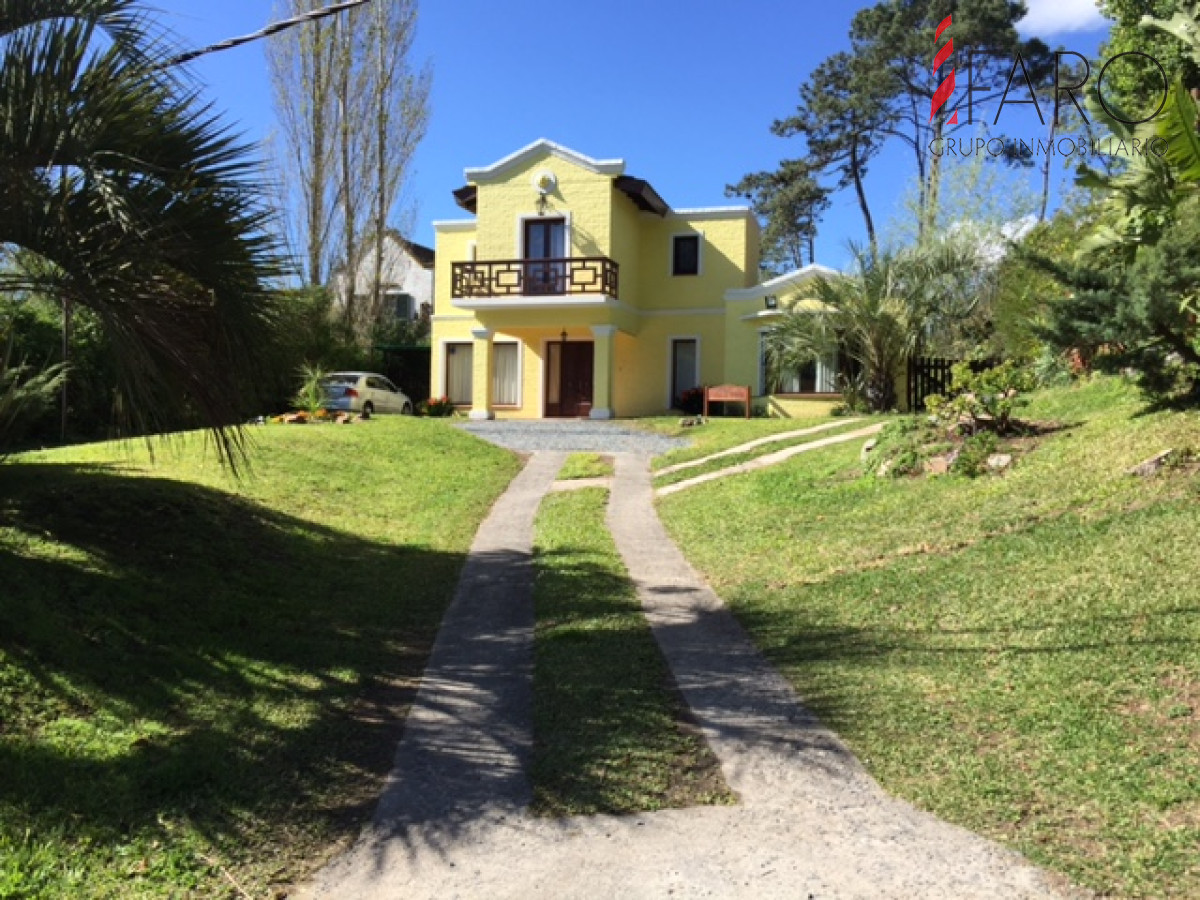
pixel 438 407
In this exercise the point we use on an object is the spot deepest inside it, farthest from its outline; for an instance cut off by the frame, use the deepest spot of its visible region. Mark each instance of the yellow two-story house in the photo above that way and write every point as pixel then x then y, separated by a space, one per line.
pixel 576 291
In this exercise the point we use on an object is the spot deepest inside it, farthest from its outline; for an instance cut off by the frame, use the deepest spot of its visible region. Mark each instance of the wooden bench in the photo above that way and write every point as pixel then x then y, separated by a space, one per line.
pixel 727 393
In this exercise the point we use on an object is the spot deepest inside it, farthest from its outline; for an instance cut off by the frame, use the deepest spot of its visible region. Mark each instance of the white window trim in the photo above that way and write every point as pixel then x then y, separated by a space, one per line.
pixel 568 233
pixel 671 339
pixel 520 345
pixel 696 233
pixel 445 359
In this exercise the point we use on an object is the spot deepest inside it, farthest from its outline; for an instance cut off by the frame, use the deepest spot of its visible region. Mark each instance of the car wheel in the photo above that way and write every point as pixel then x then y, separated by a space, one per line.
pixel 368 409
pixel 407 410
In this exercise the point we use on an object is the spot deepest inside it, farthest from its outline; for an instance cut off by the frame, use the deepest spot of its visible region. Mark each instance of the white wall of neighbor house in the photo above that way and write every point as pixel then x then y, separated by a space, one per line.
pixel 401 274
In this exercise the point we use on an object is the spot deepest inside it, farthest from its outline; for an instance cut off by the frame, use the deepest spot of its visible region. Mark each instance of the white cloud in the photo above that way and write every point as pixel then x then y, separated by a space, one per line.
pixel 1050 17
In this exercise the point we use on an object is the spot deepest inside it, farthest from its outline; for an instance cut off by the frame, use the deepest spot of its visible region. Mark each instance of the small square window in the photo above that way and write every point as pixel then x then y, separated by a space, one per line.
pixel 685 256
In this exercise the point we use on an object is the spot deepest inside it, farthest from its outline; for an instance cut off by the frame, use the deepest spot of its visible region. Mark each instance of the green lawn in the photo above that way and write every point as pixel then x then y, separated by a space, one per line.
pixel 586 465
pixel 717 434
pixel 610 728
pixel 1019 654
pixel 202 681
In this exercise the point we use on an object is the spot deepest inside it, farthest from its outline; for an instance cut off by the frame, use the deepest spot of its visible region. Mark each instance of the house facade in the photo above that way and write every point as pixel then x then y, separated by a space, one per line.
pixel 576 291
pixel 405 277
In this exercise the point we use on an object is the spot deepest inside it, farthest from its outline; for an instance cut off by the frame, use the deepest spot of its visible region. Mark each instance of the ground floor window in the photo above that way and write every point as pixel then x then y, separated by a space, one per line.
pixel 459 372
pixel 817 377
pixel 505 381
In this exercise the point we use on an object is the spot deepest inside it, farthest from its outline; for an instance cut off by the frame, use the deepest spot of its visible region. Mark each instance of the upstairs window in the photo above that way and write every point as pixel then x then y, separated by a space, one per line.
pixel 685 254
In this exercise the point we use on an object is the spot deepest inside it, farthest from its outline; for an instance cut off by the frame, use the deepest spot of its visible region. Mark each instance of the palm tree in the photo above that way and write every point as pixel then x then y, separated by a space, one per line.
pixel 137 202
pixel 880 313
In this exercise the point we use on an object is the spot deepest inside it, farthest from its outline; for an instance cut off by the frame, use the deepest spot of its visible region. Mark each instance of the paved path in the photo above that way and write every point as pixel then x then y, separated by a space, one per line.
pixel 758 442
pixel 769 459
pixel 810 822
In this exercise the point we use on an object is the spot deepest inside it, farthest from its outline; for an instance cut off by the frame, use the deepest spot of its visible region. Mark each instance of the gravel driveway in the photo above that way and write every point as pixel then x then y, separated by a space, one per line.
pixel 572 436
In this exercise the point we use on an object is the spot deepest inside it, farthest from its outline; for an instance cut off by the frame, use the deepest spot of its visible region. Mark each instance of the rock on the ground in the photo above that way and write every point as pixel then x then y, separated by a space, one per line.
pixel 999 461
pixel 1152 466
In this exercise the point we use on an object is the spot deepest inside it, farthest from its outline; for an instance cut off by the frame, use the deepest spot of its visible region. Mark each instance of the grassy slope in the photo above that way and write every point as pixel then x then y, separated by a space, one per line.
pixel 608 721
pixel 717 434
pixel 1019 654
pixel 198 675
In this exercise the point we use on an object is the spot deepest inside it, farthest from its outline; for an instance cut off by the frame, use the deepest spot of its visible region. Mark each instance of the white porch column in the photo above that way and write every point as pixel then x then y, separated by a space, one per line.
pixel 602 376
pixel 481 374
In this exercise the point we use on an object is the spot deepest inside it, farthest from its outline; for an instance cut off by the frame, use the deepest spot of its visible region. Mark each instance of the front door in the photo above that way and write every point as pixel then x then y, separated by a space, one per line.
pixel 569 378
pixel 545 240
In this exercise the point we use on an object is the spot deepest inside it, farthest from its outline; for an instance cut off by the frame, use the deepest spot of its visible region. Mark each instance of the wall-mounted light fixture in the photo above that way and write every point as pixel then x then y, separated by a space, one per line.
pixel 544 182
pixel 564 335
pixel 771 301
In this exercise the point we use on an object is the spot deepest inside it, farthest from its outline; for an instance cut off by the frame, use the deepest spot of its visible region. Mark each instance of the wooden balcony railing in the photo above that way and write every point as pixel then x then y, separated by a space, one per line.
pixel 533 277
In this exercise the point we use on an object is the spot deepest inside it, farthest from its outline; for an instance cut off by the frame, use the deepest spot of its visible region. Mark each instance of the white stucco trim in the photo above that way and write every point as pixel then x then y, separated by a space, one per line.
pixel 537 149
pixel 556 301
pixel 713 212
pixel 671 339
pixel 795 278
pixel 763 314
pixel 451 318
pixel 447 226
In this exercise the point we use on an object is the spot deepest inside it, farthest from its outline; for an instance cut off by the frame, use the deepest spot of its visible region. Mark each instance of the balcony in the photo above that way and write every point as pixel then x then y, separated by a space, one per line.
pixel 513 278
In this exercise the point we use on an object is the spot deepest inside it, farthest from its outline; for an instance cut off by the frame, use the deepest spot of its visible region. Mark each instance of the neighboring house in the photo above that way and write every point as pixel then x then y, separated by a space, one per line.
pixel 406 278
pixel 577 291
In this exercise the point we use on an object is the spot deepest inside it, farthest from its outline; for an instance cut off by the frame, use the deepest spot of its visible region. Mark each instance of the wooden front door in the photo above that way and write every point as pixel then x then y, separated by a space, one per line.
pixel 569 378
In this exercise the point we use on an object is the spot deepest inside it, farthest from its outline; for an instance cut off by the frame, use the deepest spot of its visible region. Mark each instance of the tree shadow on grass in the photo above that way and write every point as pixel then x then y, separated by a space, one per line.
pixel 179 651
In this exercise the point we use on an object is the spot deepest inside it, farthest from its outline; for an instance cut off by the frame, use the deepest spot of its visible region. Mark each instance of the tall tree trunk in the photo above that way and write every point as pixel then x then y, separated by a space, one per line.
pixel 1046 172
pixel 856 174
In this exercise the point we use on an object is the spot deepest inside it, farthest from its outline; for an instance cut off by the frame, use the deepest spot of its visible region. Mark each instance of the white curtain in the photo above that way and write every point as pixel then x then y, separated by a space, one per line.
pixel 459 369
pixel 504 375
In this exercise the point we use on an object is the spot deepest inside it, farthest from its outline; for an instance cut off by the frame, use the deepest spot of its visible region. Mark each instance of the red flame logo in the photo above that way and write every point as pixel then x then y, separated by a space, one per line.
pixel 946 89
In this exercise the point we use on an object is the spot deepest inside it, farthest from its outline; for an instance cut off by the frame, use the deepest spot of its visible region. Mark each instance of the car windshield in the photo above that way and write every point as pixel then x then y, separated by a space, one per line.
pixel 340 378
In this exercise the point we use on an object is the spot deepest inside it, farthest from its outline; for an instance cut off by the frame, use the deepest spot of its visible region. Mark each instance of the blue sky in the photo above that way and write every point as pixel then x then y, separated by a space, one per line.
pixel 684 92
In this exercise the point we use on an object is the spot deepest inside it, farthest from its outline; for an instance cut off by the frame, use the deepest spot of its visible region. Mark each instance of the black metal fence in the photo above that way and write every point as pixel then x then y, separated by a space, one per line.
pixel 932 375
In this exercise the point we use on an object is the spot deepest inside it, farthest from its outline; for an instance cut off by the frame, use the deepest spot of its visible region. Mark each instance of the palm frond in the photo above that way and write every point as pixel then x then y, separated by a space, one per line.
pixel 144 207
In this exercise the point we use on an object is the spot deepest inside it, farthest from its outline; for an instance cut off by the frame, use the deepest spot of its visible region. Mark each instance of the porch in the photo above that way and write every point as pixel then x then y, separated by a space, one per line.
pixel 532 373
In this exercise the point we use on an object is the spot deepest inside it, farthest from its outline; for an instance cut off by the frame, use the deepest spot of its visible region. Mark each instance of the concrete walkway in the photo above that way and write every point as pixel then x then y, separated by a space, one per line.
pixel 758 442
pixel 769 459
pixel 810 822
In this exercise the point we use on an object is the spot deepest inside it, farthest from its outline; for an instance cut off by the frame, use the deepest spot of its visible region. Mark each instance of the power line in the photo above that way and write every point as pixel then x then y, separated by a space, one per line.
pixel 273 28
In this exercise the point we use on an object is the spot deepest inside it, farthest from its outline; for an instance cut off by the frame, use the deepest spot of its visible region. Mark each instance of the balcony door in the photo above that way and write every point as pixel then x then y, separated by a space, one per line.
pixel 569 378
pixel 545 240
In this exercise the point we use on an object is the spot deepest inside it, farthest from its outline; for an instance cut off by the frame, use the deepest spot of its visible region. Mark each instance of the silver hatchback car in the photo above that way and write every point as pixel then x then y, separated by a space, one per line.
pixel 364 392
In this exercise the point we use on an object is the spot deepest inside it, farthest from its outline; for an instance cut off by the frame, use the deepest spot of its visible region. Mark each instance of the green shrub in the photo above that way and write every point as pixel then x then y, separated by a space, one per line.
pixel 437 407
pixel 981 401
pixel 973 454
pixel 903 446
pixel 311 395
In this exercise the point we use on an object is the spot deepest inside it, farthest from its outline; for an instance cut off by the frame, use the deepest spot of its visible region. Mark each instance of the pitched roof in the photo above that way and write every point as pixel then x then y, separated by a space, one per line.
pixel 537 149
pixel 638 190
